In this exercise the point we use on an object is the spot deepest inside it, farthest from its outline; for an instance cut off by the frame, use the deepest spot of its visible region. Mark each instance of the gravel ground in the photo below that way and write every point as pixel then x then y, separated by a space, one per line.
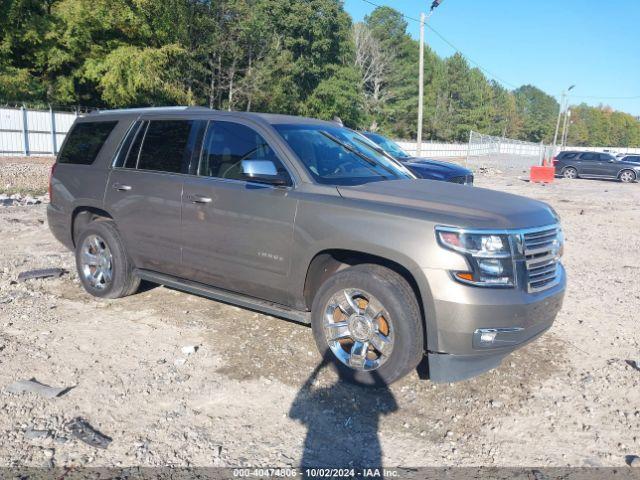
pixel 247 393
pixel 24 176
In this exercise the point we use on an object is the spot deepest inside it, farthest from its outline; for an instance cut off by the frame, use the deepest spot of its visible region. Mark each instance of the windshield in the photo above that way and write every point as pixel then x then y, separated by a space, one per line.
pixel 389 146
pixel 339 156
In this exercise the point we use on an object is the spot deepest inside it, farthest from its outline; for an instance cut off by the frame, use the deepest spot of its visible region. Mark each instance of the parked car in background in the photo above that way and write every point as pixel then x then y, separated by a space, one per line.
pixel 423 167
pixel 302 219
pixel 631 158
pixel 573 164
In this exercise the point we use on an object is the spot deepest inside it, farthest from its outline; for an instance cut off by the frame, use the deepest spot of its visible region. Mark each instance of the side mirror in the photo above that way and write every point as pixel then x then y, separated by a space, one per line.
pixel 263 171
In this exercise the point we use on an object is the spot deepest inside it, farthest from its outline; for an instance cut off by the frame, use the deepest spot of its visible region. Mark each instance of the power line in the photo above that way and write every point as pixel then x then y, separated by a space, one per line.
pixel 441 37
pixel 594 97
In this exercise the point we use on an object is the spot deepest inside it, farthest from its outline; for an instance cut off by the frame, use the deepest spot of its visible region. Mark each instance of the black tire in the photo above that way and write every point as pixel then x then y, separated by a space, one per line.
pixel 570 173
pixel 123 281
pixel 624 176
pixel 398 300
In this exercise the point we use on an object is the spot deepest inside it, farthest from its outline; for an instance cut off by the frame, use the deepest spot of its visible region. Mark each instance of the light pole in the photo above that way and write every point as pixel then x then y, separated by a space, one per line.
pixel 565 128
pixel 423 20
pixel 562 107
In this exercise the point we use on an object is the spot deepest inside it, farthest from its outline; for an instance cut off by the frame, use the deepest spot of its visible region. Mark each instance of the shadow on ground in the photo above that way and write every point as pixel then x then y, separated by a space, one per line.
pixel 342 422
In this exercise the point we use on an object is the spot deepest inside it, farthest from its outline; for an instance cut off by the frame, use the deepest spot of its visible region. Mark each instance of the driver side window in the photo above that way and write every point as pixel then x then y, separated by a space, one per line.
pixel 227 144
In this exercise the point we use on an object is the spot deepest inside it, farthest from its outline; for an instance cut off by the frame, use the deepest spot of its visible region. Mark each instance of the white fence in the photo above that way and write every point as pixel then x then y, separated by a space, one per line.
pixel 485 151
pixel 41 132
pixel 33 132
pixel 435 149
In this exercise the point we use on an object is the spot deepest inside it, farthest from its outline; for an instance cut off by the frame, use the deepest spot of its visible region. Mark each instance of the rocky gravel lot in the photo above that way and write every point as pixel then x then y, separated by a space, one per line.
pixel 174 379
pixel 27 177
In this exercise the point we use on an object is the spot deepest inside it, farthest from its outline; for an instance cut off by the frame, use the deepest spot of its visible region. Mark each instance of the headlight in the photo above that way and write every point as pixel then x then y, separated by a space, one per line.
pixel 489 256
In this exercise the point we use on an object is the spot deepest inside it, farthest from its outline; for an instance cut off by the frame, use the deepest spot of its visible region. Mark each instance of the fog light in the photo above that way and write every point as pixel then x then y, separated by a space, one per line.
pixel 488 337
pixel 497 337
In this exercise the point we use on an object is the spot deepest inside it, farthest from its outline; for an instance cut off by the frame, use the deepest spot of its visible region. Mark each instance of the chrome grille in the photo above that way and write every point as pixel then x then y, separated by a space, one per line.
pixel 463 180
pixel 541 250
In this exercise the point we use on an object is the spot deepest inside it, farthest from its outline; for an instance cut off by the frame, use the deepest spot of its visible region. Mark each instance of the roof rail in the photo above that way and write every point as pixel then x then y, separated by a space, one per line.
pixel 147 110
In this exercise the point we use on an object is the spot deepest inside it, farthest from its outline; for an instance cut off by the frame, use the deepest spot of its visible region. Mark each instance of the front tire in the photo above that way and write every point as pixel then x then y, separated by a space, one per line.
pixel 570 173
pixel 366 321
pixel 104 268
pixel 627 176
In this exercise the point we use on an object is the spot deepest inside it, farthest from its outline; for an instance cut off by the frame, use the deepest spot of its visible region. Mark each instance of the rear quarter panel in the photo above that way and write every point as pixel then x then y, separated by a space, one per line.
pixel 74 186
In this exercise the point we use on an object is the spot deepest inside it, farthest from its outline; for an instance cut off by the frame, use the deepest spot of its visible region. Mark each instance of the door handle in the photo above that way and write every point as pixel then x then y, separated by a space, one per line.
pixel 121 188
pixel 199 199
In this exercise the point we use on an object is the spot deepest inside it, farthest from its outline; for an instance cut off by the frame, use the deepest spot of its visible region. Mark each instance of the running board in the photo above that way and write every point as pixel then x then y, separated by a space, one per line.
pixel 225 296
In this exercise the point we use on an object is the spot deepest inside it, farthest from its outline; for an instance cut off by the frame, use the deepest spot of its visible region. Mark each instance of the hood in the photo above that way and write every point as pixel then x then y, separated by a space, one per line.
pixel 434 168
pixel 456 205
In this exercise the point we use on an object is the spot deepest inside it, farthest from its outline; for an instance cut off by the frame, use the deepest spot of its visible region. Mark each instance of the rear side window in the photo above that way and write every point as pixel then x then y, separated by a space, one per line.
pixel 84 142
pixel 605 157
pixel 567 155
pixel 589 156
pixel 167 146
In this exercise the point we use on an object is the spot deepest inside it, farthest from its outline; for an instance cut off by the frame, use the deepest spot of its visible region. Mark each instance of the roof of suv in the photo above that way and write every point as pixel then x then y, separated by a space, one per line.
pixel 270 118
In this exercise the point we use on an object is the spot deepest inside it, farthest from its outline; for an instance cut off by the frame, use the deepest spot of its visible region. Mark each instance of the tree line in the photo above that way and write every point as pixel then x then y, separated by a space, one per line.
pixel 300 57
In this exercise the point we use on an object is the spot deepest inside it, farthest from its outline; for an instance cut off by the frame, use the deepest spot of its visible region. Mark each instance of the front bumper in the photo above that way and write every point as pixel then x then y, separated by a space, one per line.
pixel 462 312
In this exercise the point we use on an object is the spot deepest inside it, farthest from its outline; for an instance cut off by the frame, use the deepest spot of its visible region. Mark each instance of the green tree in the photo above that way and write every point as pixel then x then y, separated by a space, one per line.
pixel 338 96
pixel 538 111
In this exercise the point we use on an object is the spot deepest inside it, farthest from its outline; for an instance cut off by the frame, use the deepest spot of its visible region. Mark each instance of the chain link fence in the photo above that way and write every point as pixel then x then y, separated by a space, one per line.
pixel 499 153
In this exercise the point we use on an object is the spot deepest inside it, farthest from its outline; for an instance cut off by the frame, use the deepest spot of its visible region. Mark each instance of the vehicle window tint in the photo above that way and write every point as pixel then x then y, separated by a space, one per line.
pixel 84 142
pixel 605 157
pixel 568 155
pixel 589 156
pixel 227 144
pixel 165 146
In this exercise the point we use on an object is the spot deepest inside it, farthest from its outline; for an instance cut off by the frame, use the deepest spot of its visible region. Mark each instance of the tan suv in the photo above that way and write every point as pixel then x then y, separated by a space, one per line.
pixel 302 219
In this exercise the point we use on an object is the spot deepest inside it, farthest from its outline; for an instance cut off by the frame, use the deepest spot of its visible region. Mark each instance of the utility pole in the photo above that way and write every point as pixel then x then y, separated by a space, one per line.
pixel 562 107
pixel 423 20
pixel 567 117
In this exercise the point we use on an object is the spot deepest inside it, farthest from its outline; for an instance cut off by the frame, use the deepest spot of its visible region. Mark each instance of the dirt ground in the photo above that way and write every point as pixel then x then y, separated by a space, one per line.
pixel 248 395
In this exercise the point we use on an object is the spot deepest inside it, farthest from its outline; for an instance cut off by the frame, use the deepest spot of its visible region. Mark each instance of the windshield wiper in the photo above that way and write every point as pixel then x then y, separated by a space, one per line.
pixel 357 152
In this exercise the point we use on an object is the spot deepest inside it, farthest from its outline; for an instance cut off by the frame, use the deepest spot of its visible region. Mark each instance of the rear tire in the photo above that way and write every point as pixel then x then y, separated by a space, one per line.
pixel 103 265
pixel 378 336
pixel 627 176
pixel 570 173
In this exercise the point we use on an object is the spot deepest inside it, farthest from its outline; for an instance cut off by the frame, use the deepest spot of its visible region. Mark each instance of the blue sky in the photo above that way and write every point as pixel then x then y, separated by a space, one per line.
pixel 551 44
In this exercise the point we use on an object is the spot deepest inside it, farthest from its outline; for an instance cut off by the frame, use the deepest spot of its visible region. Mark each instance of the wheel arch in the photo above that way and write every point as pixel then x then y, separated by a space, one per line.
pixel 329 261
pixel 627 169
pixel 83 215
pixel 570 166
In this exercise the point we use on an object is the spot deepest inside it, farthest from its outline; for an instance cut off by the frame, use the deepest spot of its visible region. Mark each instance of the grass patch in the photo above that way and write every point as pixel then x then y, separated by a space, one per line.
pixel 23 191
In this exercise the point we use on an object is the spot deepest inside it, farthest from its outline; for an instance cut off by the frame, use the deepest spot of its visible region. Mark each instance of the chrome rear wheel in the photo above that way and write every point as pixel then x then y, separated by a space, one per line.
pixel 570 173
pixel 96 262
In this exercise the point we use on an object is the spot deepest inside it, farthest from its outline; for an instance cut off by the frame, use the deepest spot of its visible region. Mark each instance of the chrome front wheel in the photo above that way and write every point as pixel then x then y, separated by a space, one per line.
pixel 96 262
pixel 627 176
pixel 358 329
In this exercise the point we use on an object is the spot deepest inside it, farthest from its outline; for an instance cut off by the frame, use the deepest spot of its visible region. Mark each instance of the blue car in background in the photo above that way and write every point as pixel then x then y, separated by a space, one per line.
pixel 423 167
